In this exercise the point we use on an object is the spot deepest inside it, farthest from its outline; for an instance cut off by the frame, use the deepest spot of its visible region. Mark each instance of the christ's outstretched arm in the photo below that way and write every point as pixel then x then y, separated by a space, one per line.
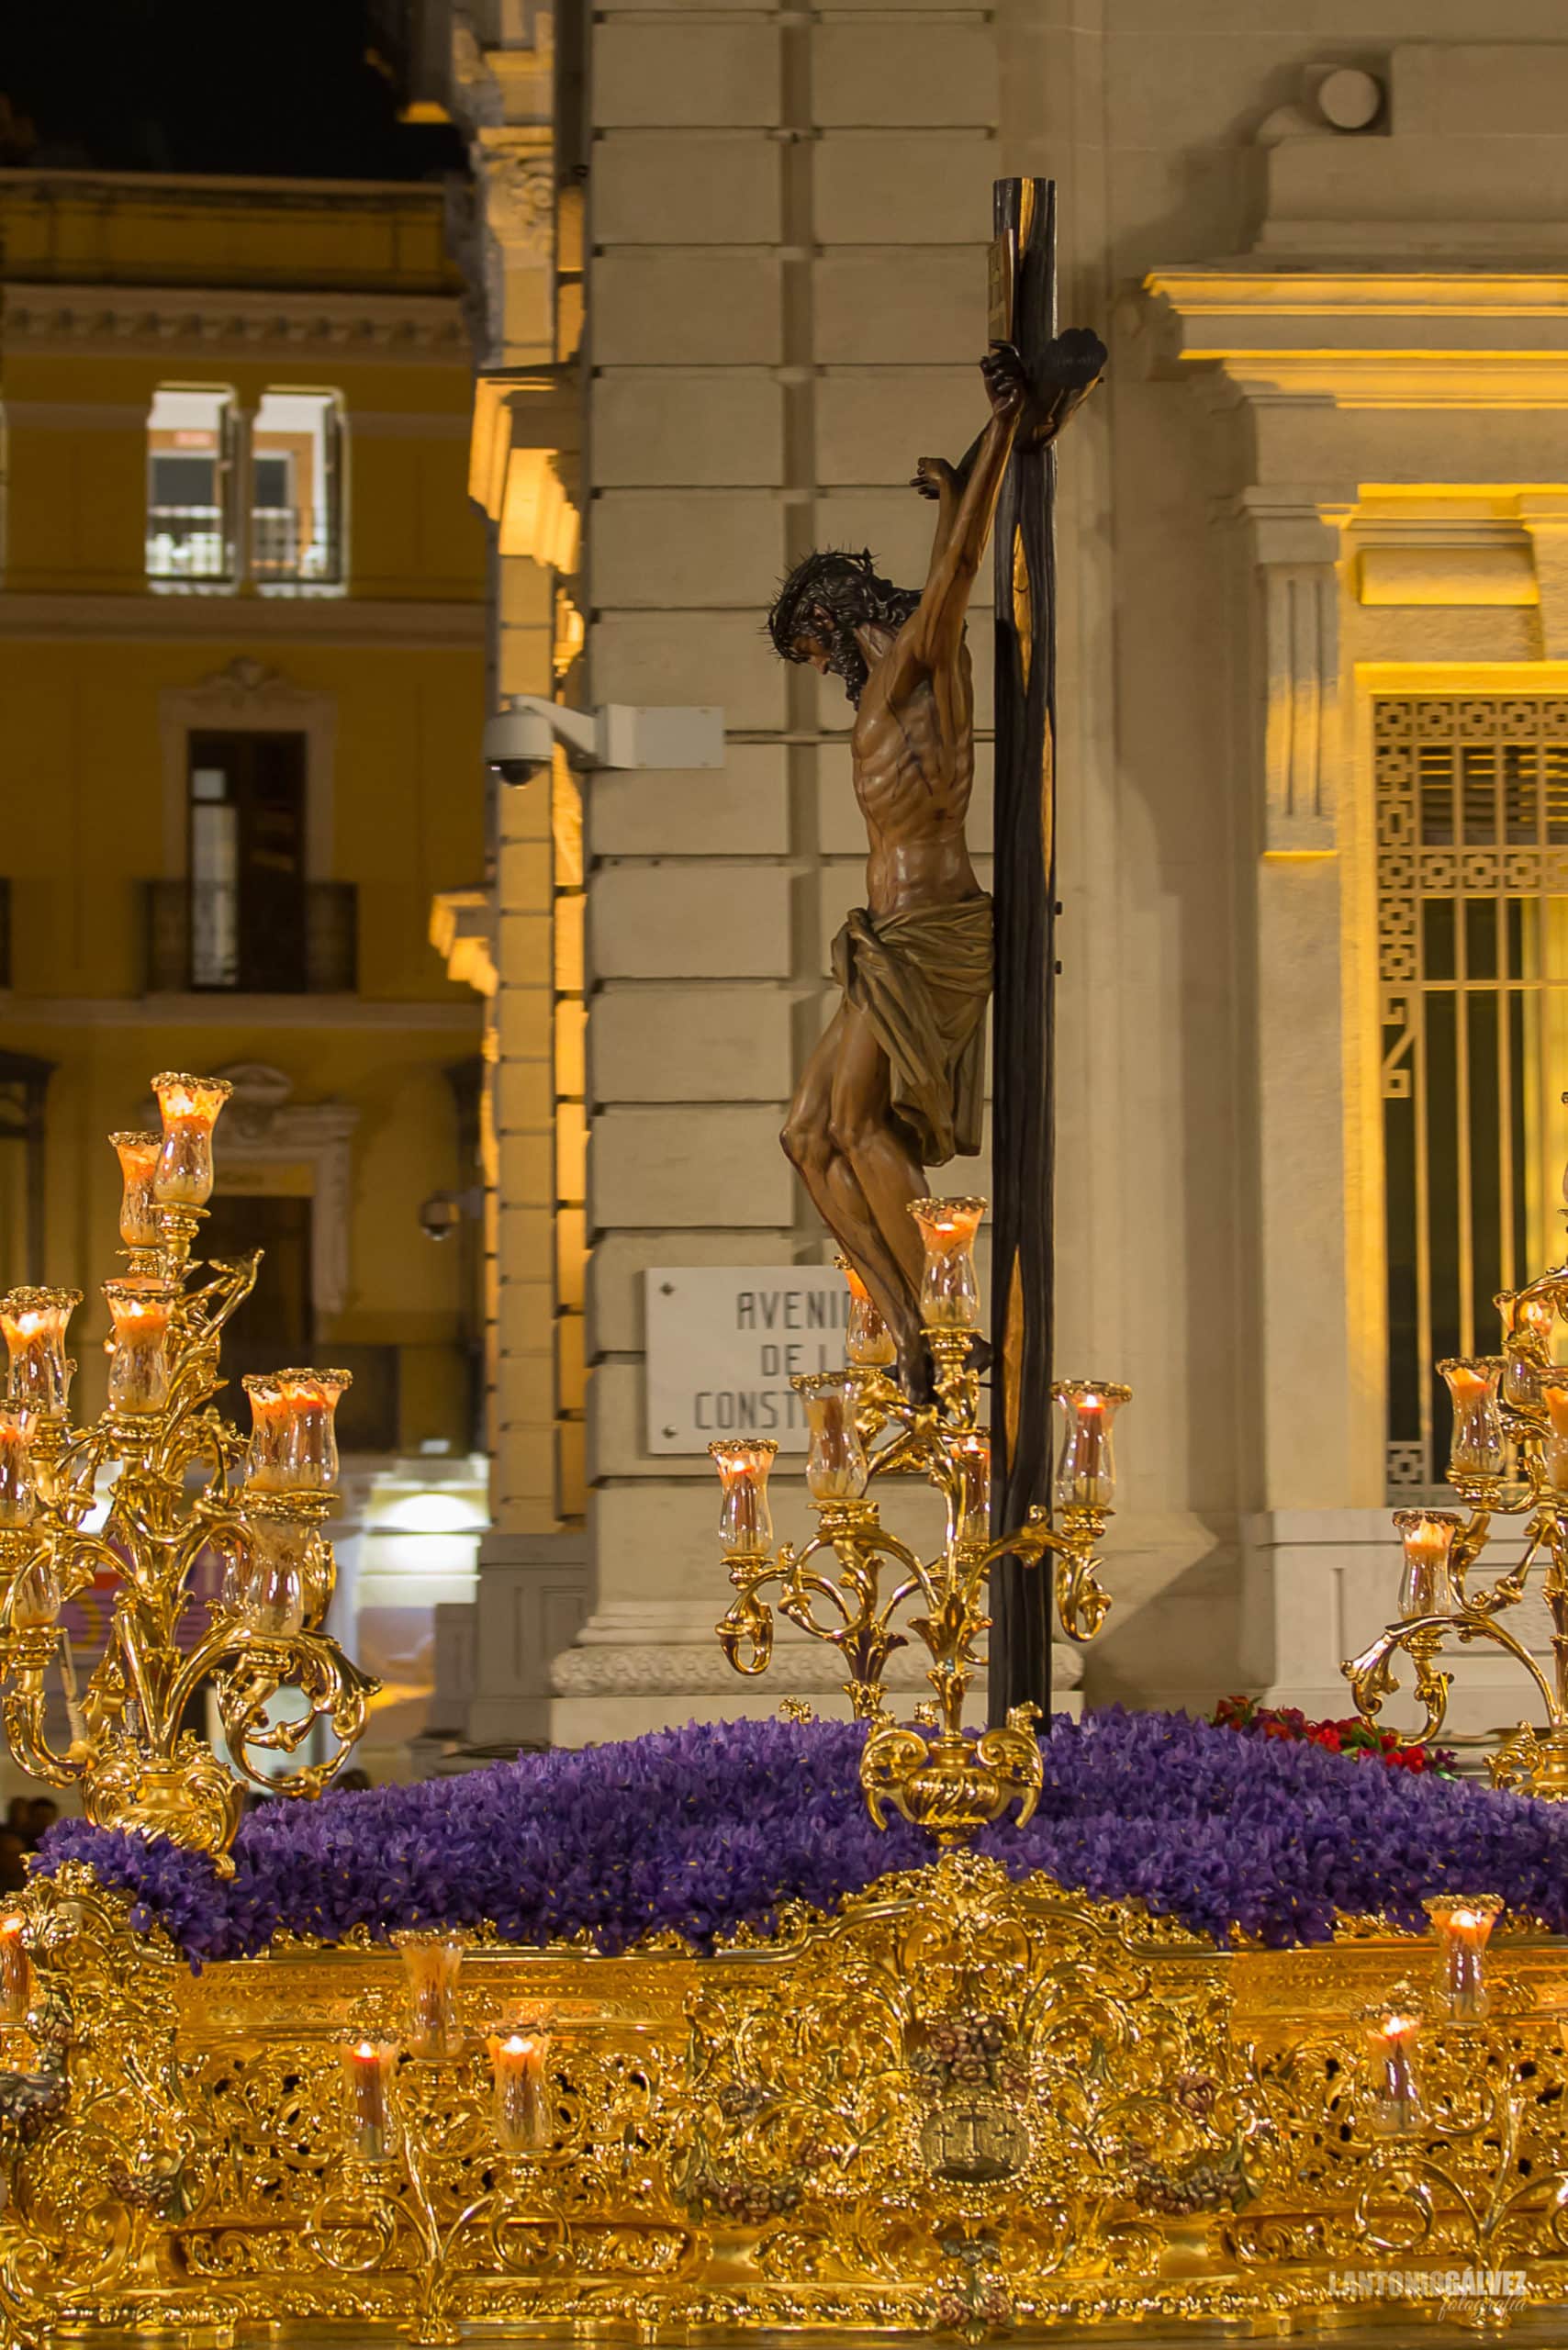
pixel 932 637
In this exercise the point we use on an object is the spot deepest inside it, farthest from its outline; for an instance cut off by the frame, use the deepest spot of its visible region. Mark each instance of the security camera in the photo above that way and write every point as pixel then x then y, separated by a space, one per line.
pixel 520 740
pixel 439 1216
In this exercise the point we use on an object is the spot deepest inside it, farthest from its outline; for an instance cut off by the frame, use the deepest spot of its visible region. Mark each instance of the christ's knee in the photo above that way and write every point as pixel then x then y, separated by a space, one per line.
pixel 807 1144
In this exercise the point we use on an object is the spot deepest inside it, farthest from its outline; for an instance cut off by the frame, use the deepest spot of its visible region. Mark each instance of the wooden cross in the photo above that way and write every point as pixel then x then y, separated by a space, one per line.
pixel 1024 312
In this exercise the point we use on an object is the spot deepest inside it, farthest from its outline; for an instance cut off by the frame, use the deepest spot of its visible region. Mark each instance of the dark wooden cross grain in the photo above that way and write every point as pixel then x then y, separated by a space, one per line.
pixel 1024 312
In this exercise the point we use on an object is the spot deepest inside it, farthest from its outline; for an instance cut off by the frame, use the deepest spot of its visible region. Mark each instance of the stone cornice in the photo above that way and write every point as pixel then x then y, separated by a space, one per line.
pixel 412 1016
pixel 1460 339
pixel 415 626
pixel 245 323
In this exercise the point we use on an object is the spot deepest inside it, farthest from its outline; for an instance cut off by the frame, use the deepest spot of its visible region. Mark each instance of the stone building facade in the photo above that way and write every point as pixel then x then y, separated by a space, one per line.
pixel 1312 567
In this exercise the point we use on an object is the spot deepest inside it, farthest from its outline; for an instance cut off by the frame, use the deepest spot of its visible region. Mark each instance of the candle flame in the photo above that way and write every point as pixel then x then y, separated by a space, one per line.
pixel 1398 2027
pixel 12 1925
pixel 365 2048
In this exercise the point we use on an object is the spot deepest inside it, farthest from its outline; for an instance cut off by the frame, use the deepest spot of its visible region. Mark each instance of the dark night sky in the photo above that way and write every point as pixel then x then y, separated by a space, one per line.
pixel 264 87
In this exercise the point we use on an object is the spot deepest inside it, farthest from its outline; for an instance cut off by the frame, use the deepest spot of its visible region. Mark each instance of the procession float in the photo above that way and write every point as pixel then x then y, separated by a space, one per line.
pixel 903 2025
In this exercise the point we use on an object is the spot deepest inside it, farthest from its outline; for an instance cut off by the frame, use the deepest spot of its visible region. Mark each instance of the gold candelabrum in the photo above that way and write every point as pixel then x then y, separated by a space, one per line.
pixel 185 1487
pixel 853 1577
pixel 1508 1457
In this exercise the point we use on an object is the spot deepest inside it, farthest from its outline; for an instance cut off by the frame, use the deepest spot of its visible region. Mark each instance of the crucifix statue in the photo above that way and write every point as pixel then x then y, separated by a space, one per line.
pixel 896 1084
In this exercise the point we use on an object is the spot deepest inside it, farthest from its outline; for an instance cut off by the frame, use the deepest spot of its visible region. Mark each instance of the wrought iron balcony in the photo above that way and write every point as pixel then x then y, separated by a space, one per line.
pixel 285 551
pixel 214 938
pixel 188 543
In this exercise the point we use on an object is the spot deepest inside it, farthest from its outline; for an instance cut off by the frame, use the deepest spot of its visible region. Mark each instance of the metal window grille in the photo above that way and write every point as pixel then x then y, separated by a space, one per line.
pixel 1472 799
pixel 194 938
pixel 285 550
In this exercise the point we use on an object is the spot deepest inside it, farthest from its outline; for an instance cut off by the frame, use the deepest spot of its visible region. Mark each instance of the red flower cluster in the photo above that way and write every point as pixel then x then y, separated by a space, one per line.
pixel 1351 1736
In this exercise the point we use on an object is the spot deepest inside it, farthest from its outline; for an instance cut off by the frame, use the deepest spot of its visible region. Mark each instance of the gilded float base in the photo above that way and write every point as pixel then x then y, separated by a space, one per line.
pixel 961 2108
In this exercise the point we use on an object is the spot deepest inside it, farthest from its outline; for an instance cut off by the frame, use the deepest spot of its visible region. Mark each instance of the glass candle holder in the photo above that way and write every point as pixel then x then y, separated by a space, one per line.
pixel 1395 2094
pixel 949 1286
pixel 836 1466
pixel 309 1401
pixel 970 1456
pixel 264 1453
pixel 189 1106
pixel 139 1351
pixel 1476 1448
pixel 517 2074
pixel 294 1442
pixel 1086 1467
pixel 1427 1586
pixel 869 1344
pixel 33 1323
pixel 18 1478
pixel 367 2068
pixel 36 1594
pixel 137 1156
pixel 1464 1926
pixel 433 1961
pixel 1552 1389
pixel 745 1517
pixel 15 1971
pixel 1526 1343
pixel 264 1587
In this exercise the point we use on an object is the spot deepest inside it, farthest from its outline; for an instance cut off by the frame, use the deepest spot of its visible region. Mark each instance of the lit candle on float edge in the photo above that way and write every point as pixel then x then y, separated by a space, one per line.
pixel 432 1962
pixel 367 2077
pixel 1396 2103
pixel 1463 1928
pixel 15 1971
pixel 517 2066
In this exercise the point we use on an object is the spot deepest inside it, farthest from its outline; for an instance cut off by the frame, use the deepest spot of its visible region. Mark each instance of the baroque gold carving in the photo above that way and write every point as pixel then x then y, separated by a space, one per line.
pixel 961 2105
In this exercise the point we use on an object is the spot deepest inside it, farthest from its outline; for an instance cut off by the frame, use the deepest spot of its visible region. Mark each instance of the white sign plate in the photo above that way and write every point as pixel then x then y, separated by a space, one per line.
pixel 724 1342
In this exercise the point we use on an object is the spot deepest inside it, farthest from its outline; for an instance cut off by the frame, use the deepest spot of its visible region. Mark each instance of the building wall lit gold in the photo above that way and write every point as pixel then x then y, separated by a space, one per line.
pixel 288 557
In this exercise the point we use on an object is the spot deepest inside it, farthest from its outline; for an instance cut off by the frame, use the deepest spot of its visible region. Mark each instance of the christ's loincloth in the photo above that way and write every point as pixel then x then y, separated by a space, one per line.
pixel 923 980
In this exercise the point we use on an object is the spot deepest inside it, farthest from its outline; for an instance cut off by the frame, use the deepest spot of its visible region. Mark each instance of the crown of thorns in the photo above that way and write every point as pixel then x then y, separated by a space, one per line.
pixel 819 583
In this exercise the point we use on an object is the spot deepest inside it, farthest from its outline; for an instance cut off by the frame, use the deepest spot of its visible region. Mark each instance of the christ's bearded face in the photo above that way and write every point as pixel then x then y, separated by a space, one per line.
pixel 827 639
pixel 823 605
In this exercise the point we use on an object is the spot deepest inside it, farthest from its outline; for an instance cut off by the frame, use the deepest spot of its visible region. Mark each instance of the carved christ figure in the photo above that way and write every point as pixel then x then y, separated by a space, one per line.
pixel 896 1084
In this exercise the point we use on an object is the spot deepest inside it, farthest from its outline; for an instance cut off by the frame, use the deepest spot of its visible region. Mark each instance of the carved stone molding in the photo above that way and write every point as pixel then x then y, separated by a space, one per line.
pixel 1296 547
pixel 520 193
pixel 515 173
pixel 215 322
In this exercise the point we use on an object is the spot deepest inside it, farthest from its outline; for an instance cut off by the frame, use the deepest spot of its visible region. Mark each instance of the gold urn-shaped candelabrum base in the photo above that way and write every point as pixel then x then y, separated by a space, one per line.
pixel 179 1491
pixel 1508 1459
pixel 856 1585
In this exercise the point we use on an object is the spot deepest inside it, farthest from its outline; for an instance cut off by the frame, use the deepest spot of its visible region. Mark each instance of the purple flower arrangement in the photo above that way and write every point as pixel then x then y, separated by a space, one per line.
pixel 704 1830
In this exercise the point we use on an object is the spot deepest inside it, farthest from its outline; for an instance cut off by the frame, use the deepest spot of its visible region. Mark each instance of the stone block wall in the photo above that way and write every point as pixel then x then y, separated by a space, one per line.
pixel 788 225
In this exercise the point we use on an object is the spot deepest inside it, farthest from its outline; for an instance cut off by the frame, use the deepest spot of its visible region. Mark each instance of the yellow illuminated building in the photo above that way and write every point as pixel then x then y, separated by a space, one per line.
pixel 242 677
